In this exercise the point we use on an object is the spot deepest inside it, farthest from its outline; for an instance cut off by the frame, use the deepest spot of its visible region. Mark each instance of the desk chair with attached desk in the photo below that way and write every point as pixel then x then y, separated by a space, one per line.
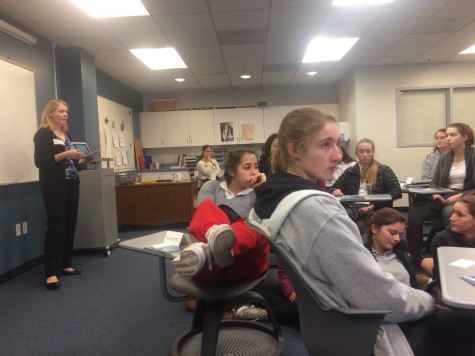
pixel 210 335
pixel 336 331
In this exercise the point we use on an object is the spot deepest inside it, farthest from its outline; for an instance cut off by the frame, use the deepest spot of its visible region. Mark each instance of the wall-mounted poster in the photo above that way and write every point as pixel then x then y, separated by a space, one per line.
pixel 227 132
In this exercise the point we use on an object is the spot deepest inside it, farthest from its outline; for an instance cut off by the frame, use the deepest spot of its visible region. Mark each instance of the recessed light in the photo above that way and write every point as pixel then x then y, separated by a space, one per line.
pixel 469 50
pixel 324 49
pixel 159 58
pixel 119 8
pixel 179 80
pixel 311 73
pixel 359 2
pixel 245 76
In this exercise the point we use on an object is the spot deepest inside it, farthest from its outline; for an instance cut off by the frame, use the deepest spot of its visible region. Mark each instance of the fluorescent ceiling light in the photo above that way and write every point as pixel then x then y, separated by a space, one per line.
pixel 324 49
pixel 311 73
pixel 245 76
pixel 118 8
pixel 159 58
pixel 359 2
pixel 469 50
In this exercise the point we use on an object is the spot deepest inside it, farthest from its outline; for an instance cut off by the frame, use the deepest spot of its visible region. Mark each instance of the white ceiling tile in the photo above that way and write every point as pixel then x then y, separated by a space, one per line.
pixel 457 8
pixel 301 17
pixel 155 7
pixel 193 39
pixel 244 50
pixel 136 40
pixel 349 29
pixel 130 25
pixel 199 22
pixel 240 20
pixel 422 39
pixel 241 5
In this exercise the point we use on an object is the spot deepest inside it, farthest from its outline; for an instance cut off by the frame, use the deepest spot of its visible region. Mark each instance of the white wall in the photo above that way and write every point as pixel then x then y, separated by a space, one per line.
pixel 371 109
pixel 323 94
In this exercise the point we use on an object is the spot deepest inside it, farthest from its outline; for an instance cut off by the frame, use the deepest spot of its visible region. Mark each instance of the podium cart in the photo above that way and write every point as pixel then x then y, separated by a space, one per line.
pixel 97 216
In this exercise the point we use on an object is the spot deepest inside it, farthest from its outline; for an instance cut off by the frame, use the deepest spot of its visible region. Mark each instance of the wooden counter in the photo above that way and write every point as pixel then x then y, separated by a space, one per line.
pixel 161 203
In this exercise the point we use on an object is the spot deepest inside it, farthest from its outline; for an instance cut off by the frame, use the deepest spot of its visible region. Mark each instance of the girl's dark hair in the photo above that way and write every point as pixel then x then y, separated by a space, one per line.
pixel 464 129
pixel 204 148
pixel 232 162
pixel 385 216
pixel 345 157
pixel 266 147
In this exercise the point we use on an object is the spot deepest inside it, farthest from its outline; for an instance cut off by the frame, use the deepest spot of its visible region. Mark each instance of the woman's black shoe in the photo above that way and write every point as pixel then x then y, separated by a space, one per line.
pixel 72 272
pixel 53 285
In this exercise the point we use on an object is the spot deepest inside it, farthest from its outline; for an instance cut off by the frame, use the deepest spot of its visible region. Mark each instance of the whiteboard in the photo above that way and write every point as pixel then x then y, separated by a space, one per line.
pixel 116 134
pixel 18 123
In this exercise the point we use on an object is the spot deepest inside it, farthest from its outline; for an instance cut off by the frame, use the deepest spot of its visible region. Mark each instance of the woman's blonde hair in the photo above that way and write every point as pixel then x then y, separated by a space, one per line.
pixel 46 120
pixel 370 173
pixel 297 127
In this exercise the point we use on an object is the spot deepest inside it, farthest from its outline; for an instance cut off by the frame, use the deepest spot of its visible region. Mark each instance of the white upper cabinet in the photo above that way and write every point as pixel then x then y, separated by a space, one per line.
pixel 152 129
pixel 251 125
pixel 273 116
pixel 236 126
pixel 201 127
pixel 176 128
pixel 226 131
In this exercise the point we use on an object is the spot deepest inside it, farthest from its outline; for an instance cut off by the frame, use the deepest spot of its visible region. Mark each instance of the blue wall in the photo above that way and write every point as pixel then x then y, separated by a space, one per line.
pixel 23 202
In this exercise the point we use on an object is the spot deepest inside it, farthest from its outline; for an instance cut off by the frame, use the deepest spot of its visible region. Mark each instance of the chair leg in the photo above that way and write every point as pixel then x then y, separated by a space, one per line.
pixel 414 244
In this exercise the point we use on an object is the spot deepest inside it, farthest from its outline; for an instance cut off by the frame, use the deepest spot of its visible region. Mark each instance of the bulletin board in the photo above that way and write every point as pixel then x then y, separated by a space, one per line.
pixel 18 123
pixel 116 134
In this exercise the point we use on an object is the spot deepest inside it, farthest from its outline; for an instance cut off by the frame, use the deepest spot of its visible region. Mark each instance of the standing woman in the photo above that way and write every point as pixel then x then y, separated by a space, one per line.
pixel 208 167
pixel 58 160
pixel 440 146
pixel 316 234
pixel 455 170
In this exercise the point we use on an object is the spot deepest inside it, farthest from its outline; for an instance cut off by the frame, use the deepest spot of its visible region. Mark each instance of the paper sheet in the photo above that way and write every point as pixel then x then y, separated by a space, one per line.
pixel 463 263
pixel 171 242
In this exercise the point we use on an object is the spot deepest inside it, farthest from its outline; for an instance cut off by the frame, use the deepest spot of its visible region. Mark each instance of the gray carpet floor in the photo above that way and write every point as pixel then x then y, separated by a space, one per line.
pixel 115 307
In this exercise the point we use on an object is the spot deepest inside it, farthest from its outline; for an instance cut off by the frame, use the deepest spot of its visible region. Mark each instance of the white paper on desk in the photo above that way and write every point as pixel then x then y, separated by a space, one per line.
pixel 171 242
pixel 463 263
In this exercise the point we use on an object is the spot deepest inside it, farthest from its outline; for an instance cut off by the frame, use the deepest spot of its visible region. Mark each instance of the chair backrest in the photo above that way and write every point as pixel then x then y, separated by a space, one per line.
pixel 327 332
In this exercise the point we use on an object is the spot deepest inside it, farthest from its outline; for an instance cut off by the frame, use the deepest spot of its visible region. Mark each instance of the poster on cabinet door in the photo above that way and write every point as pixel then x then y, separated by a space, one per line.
pixel 227 131
pixel 247 132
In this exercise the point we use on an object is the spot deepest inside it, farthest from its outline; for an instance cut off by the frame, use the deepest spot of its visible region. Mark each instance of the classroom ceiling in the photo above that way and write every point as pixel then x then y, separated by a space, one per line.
pixel 221 39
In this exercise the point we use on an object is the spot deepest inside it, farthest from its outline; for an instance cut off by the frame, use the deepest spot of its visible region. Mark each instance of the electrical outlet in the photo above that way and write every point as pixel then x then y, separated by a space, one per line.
pixel 25 227
pixel 18 229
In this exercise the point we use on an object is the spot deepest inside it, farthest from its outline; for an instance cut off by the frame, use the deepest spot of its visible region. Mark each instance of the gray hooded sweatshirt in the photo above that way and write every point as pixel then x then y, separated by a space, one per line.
pixel 314 231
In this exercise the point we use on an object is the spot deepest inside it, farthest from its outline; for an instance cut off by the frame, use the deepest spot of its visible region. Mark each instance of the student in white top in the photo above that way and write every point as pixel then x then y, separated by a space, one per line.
pixel 346 162
pixel 208 168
